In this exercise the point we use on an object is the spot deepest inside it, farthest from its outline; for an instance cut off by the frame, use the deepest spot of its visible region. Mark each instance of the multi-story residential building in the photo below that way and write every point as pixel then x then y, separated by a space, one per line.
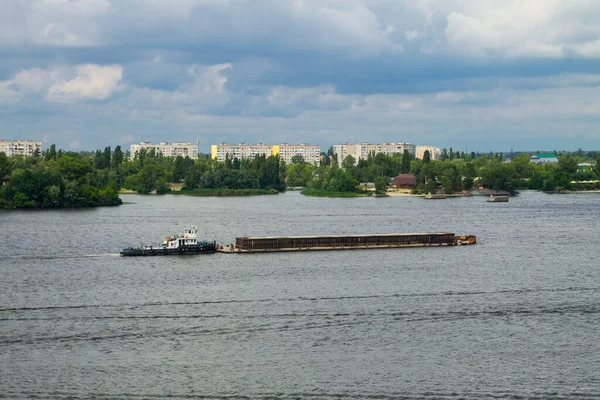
pixel 311 154
pixel 222 151
pixel 363 150
pixel 348 149
pixel 285 151
pixel 434 152
pixel 20 147
pixel 387 149
pixel 184 149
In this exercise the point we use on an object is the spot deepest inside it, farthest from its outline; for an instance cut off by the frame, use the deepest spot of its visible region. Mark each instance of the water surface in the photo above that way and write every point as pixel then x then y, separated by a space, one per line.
pixel 516 316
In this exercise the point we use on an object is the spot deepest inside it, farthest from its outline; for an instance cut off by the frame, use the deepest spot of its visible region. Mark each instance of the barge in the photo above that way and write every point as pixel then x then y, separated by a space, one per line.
pixel 186 243
pixel 257 244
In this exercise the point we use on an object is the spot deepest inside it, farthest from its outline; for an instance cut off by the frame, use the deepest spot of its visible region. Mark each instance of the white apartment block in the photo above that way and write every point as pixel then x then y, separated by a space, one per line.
pixel 348 149
pixel 362 151
pixel 434 152
pixel 20 147
pixel 286 152
pixel 183 149
pixel 311 154
pixel 222 151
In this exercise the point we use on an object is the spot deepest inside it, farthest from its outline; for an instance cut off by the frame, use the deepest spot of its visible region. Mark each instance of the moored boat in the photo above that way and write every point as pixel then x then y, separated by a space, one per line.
pixel 430 196
pixel 498 198
pixel 179 244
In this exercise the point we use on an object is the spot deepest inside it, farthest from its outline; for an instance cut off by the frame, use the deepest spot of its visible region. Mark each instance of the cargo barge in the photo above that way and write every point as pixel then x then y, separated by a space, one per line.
pixel 256 244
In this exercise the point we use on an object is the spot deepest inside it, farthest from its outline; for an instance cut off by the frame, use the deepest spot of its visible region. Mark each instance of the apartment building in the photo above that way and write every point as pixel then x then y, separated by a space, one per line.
pixel 434 152
pixel 348 149
pixel 222 151
pixel 184 149
pixel 311 154
pixel 20 147
pixel 285 151
pixel 362 151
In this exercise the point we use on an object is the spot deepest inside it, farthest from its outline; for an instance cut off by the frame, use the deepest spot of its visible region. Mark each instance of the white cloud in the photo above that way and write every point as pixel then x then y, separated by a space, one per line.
pixel 65 23
pixel 535 28
pixel 92 82
pixel 65 84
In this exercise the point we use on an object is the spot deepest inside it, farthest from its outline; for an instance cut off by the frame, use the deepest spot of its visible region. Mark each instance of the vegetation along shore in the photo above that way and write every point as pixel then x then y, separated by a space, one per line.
pixel 59 179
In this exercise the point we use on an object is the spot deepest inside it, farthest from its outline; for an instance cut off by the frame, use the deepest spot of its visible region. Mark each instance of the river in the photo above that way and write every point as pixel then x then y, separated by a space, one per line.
pixel 515 316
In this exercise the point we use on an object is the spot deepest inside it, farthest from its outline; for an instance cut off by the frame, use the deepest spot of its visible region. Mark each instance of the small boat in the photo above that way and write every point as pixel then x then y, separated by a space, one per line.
pixel 466 239
pixel 186 243
pixel 498 198
pixel 430 196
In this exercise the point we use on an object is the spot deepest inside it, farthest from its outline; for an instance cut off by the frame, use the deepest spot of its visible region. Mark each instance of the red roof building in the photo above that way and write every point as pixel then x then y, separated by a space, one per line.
pixel 404 181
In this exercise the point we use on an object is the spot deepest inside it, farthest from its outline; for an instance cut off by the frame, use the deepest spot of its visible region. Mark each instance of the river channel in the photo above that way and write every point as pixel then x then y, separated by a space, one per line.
pixel 515 316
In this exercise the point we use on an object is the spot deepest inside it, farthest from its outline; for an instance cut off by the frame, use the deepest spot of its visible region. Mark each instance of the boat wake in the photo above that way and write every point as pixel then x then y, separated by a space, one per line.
pixel 62 257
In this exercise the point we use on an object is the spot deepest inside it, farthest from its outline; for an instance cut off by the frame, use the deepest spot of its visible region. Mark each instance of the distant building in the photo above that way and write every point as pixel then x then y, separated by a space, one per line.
pixel 20 147
pixel 544 158
pixel 286 152
pixel 582 166
pixel 362 151
pixel 434 152
pixel 183 149
pixel 348 149
pixel 404 181
pixel 311 154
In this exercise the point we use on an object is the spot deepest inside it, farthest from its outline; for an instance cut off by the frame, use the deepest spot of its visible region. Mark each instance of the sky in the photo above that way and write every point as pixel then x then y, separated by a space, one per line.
pixel 475 75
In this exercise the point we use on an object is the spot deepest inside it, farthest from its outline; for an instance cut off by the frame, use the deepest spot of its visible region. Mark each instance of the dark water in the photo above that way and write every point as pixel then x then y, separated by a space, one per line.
pixel 516 316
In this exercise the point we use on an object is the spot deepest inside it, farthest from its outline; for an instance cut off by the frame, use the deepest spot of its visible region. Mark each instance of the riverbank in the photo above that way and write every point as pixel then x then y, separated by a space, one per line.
pixel 224 192
pixel 176 189
pixel 328 193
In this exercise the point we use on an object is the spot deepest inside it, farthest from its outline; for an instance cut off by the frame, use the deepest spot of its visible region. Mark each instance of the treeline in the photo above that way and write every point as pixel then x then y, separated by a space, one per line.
pixel 69 179
pixel 55 180
pixel 453 172
pixel 149 171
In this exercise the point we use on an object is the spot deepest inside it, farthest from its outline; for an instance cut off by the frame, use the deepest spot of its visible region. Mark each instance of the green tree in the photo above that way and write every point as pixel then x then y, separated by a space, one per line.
pixel 426 157
pixel 162 187
pixel 117 158
pixel 5 167
pixel 567 164
pixel 444 155
pixel 348 162
pixel 406 159
pixel 381 184
pixel 298 159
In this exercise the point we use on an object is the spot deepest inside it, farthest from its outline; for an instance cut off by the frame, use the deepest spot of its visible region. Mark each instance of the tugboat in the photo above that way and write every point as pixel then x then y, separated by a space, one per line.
pixel 187 243
pixel 466 240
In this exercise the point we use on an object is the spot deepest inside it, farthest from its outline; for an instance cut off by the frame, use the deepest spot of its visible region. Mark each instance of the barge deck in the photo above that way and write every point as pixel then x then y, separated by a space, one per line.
pixel 262 244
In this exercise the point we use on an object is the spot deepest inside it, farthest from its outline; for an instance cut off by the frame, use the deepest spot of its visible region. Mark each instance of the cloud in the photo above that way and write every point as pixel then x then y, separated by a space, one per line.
pixel 92 82
pixel 536 28
pixel 437 71
pixel 66 84
pixel 52 22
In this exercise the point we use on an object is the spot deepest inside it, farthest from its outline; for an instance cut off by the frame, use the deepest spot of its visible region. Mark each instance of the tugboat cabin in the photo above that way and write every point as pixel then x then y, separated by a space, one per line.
pixel 188 238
